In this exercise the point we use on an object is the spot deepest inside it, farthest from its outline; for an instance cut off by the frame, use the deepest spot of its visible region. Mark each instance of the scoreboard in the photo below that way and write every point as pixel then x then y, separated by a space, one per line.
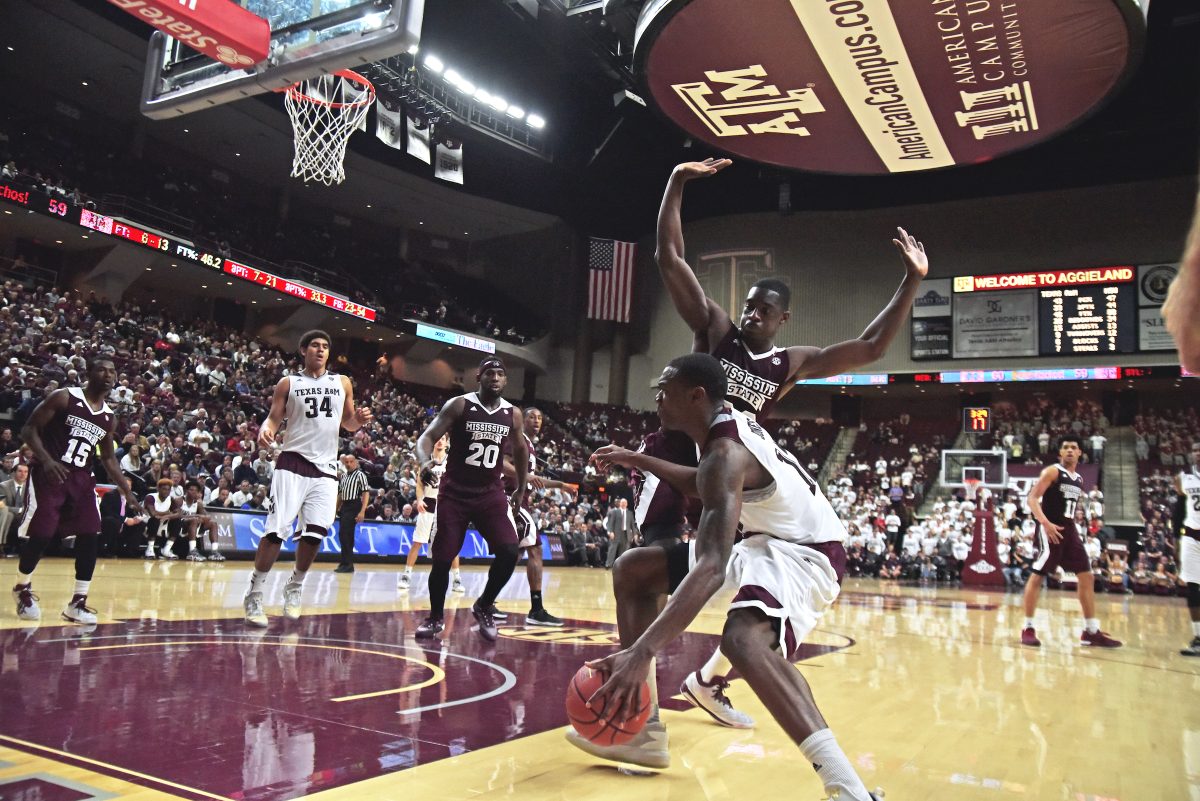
pixel 1096 311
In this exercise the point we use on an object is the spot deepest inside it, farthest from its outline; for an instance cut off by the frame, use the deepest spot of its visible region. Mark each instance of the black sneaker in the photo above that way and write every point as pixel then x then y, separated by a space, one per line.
pixel 540 617
pixel 487 623
pixel 344 569
pixel 1193 649
pixel 431 628
pixel 497 614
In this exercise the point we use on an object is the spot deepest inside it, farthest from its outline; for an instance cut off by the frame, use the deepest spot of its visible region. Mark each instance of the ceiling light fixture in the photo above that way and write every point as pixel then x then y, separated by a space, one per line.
pixel 536 122
pixel 434 63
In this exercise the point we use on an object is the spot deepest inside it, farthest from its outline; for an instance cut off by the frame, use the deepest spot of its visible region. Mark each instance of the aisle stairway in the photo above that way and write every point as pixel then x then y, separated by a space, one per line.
pixel 1119 482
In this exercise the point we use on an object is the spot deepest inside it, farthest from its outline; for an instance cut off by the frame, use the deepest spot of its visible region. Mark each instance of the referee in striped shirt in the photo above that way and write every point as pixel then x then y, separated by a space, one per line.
pixel 353 495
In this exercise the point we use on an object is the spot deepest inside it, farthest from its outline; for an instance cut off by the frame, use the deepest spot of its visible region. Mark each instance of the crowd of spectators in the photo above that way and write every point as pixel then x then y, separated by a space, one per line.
pixel 225 214
pixel 1029 431
pixel 1164 438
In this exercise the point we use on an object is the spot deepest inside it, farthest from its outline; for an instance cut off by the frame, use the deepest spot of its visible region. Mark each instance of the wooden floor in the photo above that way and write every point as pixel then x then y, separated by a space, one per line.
pixel 927 690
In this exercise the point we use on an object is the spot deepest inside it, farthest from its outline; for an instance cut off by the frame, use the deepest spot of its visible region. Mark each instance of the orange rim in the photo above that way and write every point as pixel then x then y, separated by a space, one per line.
pixel 350 75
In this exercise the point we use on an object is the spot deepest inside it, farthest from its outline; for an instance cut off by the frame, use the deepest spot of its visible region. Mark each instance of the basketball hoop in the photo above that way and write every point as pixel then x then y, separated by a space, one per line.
pixel 324 111
pixel 972 488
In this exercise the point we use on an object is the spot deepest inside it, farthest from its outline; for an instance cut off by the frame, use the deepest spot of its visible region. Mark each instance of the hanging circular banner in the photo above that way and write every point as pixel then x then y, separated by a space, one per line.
pixel 879 86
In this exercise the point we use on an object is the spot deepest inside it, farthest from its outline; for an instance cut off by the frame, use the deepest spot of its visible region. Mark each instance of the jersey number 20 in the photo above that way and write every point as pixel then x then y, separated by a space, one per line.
pixel 481 455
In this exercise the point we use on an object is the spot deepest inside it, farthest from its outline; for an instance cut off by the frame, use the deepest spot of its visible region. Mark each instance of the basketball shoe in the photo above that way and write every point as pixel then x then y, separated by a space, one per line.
pixel 77 611
pixel 540 617
pixel 1098 639
pixel 402 584
pixel 255 616
pixel 27 602
pixel 710 696
pixel 432 627
pixel 1029 637
pixel 215 556
pixel 291 600
pixel 195 556
pixel 498 614
pixel 459 587
pixel 487 623
pixel 648 749
pixel 1193 649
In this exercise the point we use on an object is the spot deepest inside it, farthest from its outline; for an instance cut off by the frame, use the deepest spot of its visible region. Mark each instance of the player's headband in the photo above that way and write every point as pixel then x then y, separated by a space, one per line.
pixel 489 364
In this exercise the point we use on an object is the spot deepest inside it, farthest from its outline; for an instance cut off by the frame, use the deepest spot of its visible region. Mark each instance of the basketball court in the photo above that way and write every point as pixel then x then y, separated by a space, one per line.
pixel 930 692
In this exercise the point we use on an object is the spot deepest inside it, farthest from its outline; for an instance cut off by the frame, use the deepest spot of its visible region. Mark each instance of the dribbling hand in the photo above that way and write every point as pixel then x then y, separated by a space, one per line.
pixel 617 698
pixel 701 169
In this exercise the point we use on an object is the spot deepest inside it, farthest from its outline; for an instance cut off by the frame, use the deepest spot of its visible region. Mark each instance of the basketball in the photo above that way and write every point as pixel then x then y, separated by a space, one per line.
pixel 591 723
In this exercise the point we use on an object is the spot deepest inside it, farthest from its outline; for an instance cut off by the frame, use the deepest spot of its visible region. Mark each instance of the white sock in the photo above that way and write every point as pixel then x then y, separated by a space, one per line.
pixel 652 680
pixel 81 587
pixel 408 570
pixel 191 545
pixel 457 574
pixel 1091 625
pixel 297 577
pixel 717 665
pixel 149 549
pixel 832 767
pixel 24 578
pixel 256 580
pixel 1196 628
pixel 1028 622
pixel 213 545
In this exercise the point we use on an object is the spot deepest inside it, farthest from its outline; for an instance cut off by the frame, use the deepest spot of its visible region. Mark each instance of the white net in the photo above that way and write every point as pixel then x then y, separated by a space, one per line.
pixel 324 112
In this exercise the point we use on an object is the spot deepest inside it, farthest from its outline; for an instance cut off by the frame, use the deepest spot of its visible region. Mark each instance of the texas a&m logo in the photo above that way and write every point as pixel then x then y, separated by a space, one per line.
pixel 750 106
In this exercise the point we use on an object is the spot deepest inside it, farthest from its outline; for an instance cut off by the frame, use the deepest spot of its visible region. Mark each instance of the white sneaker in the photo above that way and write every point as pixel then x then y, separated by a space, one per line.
pixel 196 556
pixel 459 587
pixel 291 600
pixel 77 611
pixel 168 555
pixel 402 584
pixel 255 616
pixel 215 556
pixel 647 750
pixel 27 603
pixel 712 699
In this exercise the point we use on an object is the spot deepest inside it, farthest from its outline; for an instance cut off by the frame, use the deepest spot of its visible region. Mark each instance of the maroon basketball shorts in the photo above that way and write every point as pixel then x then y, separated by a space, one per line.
pixel 69 508
pixel 488 509
pixel 1067 553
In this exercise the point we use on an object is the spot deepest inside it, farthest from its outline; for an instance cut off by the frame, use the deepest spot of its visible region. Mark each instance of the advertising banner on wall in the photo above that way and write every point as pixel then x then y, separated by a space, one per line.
pixel 934 298
pixel 987 325
pixel 931 337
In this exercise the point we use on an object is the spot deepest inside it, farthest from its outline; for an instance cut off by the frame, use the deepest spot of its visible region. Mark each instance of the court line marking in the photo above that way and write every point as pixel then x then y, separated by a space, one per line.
pixel 438 676
pixel 510 679
pixel 110 766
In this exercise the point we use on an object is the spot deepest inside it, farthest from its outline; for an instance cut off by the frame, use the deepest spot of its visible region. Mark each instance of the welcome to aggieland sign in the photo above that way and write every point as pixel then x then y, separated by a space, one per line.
pixel 879 86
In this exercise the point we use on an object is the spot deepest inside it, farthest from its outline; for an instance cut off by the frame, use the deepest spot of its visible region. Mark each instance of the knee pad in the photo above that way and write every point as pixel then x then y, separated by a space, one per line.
pixel 1193 595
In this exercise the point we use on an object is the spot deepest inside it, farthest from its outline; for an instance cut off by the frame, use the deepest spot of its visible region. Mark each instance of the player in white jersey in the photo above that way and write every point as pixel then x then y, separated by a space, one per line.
pixel 316 404
pixel 429 478
pixel 1187 525
pixel 768 530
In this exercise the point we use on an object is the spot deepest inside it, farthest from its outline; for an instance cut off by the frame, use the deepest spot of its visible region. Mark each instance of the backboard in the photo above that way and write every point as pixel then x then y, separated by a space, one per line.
pixel 988 467
pixel 308 38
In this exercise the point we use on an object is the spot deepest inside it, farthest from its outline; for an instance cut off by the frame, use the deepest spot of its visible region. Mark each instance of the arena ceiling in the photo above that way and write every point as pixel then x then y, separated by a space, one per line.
pixel 605 177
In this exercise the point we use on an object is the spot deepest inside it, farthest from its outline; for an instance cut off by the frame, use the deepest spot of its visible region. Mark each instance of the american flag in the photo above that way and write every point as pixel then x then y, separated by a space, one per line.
pixel 610 279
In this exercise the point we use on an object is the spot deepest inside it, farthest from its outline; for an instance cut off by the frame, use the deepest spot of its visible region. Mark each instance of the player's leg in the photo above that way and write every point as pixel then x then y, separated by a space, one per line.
pixel 1189 574
pixel 1044 563
pixel 152 527
pixel 1193 603
pixel 530 543
pixel 209 527
pixel 456 584
pixel 1075 559
pixel 642 579
pixel 423 532
pixel 283 504
pixel 167 551
pixel 318 511
pixel 752 638
pixel 494 518
pixel 193 533
pixel 86 549
pixel 43 512
pixel 453 515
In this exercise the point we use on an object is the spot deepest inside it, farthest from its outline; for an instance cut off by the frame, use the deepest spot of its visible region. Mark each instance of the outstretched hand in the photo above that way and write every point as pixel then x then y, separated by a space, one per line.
pixel 701 169
pixel 610 455
pixel 913 253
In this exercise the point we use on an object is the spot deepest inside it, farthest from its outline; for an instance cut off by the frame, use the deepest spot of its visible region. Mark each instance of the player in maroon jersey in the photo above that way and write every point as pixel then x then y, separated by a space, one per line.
pixel 527 530
pixel 760 373
pixel 480 423
pixel 1052 501
pixel 64 432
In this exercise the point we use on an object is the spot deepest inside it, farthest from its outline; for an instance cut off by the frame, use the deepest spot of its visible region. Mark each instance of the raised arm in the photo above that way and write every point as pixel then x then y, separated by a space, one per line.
pixel 353 419
pixel 701 314
pixel 681 478
pixel 270 426
pixel 720 479
pixel 438 428
pixel 873 342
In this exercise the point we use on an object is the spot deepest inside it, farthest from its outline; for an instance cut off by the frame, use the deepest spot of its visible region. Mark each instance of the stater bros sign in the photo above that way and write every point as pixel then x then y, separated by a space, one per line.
pixel 883 86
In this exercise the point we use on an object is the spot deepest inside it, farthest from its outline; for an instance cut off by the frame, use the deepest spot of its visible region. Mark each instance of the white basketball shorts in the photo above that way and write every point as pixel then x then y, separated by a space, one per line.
pixel 1189 560
pixel 313 500
pixel 793 583
pixel 426 528
pixel 527 530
